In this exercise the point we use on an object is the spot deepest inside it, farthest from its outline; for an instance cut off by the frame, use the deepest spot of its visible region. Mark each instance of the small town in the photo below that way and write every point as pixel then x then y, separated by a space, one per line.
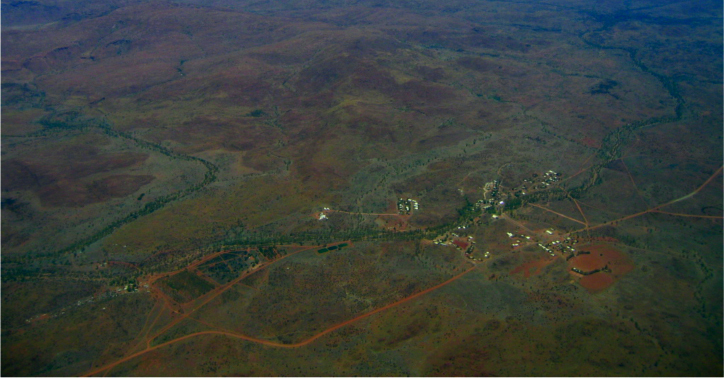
pixel 550 241
pixel 406 206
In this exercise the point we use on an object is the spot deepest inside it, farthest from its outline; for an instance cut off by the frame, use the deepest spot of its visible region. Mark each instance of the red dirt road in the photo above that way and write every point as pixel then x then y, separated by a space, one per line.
pixel 275 344
pixel 657 209
pixel 557 213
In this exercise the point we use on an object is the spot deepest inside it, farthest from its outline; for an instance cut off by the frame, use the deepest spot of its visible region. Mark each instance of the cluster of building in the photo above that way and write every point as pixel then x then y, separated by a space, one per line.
pixel 490 190
pixel 444 239
pixel 462 243
pixel 537 182
pixel 518 240
pixel 405 206
pixel 548 178
pixel 493 197
pixel 466 245
pixel 322 214
pixel 561 246
pixel 490 194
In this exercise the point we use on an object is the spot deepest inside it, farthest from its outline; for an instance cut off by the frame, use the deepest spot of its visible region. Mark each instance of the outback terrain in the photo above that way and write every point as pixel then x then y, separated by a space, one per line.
pixel 356 188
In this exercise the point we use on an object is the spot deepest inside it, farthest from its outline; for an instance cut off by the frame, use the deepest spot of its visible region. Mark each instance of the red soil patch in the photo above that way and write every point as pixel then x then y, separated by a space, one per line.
pixel 587 263
pixel 461 243
pixel 532 267
pixel 597 282
pixel 602 255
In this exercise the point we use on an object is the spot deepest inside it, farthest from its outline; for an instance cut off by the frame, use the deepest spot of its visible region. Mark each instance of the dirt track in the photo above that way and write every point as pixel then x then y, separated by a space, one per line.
pixel 656 209
pixel 261 341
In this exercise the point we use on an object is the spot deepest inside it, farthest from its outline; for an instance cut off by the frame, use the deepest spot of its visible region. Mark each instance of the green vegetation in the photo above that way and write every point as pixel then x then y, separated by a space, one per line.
pixel 185 286
pixel 332 248
pixel 256 113
pixel 73 120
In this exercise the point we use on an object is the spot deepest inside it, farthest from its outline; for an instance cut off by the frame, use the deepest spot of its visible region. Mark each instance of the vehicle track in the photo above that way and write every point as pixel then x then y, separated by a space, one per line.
pixel 276 344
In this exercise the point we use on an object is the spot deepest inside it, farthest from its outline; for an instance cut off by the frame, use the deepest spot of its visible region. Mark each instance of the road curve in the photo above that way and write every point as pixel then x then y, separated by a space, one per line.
pixel 275 344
